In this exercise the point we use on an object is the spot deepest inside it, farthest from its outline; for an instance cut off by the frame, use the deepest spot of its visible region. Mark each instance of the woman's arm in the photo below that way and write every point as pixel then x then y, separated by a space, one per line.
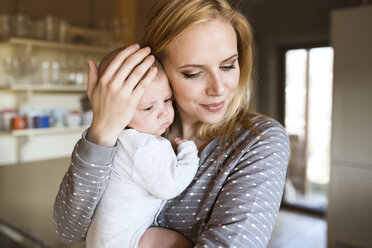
pixel 246 208
pixel 244 211
pixel 114 98
pixel 80 190
pixel 157 237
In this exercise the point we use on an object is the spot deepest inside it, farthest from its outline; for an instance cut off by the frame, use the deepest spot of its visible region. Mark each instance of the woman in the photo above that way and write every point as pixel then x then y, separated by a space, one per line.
pixel 206 50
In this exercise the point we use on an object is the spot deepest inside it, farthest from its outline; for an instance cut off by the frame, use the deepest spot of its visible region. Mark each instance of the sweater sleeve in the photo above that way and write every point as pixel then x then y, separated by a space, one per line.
pixel 163 174
pixel 81 189
pixel 246 208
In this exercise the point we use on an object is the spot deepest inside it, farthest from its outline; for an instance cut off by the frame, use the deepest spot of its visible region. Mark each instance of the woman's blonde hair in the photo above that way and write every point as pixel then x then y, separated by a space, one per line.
pixel 171 18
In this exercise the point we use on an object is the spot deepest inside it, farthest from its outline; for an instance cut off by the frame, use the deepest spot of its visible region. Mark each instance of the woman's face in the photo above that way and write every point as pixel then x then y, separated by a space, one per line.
pixel 203 70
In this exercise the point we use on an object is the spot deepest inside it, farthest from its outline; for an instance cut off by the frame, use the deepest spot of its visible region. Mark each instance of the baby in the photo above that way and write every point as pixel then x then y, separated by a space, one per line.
pixel 145 172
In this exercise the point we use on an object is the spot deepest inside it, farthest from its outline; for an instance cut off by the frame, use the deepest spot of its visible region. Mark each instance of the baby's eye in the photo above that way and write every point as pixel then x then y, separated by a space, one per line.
pixel 227 67
pixel 148 109
pixel 168 99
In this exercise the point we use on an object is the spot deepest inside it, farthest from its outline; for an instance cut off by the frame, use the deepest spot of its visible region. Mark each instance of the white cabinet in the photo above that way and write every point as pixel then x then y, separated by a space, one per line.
pixel 26 83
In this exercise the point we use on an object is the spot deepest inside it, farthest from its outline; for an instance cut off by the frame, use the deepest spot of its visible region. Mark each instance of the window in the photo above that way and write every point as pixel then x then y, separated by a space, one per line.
pixel 308 108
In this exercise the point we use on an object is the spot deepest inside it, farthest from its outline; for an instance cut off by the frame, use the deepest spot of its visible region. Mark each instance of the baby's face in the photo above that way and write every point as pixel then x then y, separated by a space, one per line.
pixel 155 112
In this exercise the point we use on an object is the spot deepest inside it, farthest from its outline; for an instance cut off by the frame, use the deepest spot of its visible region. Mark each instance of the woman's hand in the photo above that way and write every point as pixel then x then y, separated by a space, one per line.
pixel 157 237
pixel 115 96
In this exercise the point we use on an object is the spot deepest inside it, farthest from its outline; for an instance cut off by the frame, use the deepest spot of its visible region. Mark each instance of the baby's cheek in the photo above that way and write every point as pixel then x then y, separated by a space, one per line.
pixel 171 113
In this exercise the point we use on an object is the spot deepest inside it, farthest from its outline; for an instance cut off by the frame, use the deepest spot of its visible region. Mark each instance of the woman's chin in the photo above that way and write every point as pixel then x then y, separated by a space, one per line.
pixel 211 119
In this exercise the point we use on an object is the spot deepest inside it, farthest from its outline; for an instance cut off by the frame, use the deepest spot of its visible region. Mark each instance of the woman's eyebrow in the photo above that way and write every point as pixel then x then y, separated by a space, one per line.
pixel 196 65
pixel 235 55
pixel 189 65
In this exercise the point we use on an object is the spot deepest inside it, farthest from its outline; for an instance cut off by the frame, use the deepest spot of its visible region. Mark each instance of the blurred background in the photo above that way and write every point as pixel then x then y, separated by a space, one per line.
pixel 312 72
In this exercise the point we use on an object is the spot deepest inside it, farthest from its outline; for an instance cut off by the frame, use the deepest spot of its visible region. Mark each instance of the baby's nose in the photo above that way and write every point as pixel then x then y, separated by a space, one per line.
pixel 163 112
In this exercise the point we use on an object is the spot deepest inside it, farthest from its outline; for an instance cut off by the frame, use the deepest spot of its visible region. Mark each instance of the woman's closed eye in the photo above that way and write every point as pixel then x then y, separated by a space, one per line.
pixel 191 75
pixel 197 74
pixel 227 67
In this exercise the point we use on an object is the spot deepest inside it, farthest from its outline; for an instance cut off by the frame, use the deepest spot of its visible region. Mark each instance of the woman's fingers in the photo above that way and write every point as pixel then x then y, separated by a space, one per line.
pixel 136 63
pixel 138 74
pixel 92 78
pixel 117 62
pixel 142 85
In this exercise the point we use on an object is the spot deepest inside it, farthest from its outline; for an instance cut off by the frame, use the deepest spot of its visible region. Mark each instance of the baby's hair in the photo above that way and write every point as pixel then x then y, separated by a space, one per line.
pixel 105 62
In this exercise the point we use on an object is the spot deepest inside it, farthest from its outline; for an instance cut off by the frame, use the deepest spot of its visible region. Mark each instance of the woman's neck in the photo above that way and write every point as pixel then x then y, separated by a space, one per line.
pixel 186 130
pixel 182 131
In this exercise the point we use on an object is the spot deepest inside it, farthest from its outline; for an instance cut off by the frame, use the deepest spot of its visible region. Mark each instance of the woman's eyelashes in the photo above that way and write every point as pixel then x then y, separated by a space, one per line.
pixel 197 74
pixel 227 67
pixel 191 75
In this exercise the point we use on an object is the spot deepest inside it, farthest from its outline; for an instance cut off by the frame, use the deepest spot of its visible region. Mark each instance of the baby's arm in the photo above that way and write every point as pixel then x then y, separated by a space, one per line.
pixel 161 172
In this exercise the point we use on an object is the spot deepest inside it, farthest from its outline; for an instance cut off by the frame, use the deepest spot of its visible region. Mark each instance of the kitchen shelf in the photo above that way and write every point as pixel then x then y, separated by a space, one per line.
pixel 45 131
pixel 25 145
pixel 46 88
pixel 58 45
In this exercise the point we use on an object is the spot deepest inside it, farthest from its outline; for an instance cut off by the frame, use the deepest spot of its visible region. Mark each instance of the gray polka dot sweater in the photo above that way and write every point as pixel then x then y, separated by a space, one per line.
pixel 232 202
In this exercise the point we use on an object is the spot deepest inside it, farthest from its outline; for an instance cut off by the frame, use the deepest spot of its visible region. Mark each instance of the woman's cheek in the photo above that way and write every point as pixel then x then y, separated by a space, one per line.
pixel 184 90
pixel 235 84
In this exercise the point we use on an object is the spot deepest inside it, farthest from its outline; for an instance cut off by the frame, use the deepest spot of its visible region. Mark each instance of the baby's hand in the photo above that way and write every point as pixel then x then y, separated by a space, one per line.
pixel 179 141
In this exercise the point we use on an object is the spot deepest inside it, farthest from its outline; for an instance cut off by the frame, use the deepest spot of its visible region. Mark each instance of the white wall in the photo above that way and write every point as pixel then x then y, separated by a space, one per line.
pixel 285 23
pixel 350 195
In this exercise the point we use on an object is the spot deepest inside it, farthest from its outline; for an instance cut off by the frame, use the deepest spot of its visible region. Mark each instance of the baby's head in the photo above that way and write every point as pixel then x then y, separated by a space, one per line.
pixel 154 112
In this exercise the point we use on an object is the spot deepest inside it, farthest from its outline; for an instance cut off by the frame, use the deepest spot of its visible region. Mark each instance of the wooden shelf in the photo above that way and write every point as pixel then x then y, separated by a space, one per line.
pixel 45 131
pixel 46 88
pixel 58 45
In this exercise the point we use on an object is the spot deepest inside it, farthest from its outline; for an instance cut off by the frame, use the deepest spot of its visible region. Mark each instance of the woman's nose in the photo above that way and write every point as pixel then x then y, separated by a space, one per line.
pixel 215 86
pixel 163 111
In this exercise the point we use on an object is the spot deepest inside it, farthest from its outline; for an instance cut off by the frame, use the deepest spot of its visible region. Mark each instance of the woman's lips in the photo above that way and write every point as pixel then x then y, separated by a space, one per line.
pixel 215 107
